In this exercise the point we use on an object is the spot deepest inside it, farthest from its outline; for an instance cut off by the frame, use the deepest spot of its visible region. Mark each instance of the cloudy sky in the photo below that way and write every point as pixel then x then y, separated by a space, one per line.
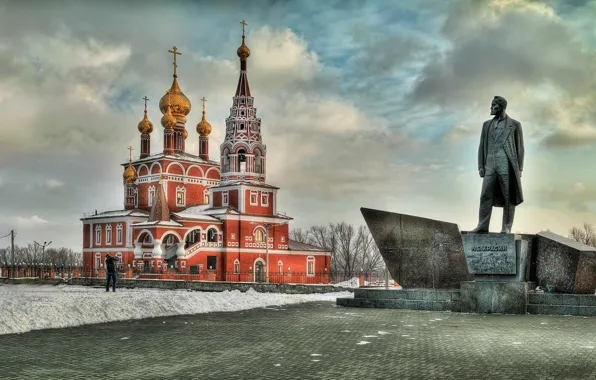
pixel 376 104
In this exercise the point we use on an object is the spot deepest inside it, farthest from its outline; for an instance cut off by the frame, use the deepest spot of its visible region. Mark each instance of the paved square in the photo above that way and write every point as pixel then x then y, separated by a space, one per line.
pixel 310 341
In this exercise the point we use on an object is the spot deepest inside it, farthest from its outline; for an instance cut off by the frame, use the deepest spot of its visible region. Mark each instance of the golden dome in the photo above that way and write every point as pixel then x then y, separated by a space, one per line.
pixel 243 51
pixel 203 128
pixel 180 105
pixel 129 174
pixel 185 134
pixel 168 121
pixel 145 126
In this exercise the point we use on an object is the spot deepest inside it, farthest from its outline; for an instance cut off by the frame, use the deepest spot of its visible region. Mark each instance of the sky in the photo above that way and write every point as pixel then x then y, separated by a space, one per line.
pixel 363 104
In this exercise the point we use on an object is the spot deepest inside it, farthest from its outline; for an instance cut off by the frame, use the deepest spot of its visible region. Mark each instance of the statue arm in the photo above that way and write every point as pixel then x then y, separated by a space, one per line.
pixel 519 144
pixel 481 152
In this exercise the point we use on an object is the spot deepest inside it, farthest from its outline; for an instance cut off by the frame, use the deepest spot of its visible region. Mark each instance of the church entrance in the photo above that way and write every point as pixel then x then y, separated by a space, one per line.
pixel 146 267
pixel 259 272
pixel 171 262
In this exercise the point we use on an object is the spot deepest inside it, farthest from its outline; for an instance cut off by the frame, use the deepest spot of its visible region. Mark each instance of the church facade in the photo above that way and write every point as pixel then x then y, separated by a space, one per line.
pixel 187 214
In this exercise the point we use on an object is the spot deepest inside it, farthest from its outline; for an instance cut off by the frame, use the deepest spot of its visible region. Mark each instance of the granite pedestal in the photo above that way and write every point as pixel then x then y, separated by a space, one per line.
pixel 499 263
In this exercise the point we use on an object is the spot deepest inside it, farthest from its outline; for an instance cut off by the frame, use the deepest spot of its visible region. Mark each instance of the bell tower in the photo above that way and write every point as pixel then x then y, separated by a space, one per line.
pixel 243 154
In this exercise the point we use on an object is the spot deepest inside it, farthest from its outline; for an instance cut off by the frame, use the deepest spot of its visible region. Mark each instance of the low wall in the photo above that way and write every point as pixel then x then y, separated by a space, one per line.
pixel 203 286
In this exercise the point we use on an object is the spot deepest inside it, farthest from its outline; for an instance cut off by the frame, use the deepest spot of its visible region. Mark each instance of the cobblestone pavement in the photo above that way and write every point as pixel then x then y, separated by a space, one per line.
pixel 310 341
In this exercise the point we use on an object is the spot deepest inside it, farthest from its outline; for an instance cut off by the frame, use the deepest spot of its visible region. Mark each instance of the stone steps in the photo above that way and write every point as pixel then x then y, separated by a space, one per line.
pixel 562 304
pixel 410 299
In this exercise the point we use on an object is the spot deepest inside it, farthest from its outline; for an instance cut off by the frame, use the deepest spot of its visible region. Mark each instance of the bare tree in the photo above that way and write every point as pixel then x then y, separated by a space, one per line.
pixel 299 235
pixel 585 234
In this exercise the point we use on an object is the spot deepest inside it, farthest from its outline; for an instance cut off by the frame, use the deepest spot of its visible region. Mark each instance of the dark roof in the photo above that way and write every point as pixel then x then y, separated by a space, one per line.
pixel 293 245
pixel 159 210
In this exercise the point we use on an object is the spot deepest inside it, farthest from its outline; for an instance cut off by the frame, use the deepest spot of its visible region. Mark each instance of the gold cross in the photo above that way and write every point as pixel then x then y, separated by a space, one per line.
pixel 243 25
pixel 203 99
pixel 130 149
pixel 145 99
pixel 175 52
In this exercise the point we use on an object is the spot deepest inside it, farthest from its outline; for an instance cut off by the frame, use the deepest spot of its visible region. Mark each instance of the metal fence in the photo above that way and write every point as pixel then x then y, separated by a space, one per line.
pixel 346 279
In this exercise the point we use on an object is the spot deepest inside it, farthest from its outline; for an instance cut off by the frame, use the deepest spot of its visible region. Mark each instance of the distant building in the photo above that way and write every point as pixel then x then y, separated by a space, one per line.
pixel 199 216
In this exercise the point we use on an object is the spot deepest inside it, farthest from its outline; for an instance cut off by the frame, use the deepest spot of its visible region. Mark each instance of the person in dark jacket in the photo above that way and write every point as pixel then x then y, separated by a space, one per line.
pixel 110 265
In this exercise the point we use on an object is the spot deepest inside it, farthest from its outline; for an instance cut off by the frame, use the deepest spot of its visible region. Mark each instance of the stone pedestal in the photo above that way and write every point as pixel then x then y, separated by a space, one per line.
pixel 499 263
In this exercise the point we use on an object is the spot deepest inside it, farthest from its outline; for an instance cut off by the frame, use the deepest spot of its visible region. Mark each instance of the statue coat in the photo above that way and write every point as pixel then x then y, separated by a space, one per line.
pixel 513 144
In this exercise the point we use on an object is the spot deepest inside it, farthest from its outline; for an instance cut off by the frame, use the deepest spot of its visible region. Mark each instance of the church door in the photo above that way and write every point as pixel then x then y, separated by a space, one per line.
pixel 146 267
pixel 259 273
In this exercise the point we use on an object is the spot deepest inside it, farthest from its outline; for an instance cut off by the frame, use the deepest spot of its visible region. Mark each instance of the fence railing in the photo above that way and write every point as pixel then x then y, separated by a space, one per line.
pixel 346 279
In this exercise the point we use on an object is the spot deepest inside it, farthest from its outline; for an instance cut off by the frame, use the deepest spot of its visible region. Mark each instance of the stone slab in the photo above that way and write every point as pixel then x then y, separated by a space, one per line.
pixel 564 265
pixel 503 297
pixel 399 304
pixel 419 252
pixel 490 253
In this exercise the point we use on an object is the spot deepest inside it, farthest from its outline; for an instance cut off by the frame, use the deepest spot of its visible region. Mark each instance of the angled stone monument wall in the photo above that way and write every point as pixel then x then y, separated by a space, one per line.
pixel 564 265
pixel 419 252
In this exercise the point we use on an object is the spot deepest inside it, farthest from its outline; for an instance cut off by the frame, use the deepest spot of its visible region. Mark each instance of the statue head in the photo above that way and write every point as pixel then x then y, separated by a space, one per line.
pixel 498 105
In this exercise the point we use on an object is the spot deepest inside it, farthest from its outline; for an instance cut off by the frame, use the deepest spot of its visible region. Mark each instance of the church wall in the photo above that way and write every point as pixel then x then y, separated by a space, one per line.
pixel 233 198
pixel 86 234
pixel 261 206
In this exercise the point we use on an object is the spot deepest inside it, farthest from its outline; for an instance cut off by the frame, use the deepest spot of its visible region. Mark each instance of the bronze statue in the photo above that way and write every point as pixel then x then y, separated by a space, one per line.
pixel 500 164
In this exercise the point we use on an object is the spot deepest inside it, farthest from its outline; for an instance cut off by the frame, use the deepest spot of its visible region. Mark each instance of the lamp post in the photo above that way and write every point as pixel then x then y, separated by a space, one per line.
pixel 43 248
pixel 267 225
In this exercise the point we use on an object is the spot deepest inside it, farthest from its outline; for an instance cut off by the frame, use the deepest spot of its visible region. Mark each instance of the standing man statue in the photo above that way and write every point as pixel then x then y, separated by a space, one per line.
pixel 500 164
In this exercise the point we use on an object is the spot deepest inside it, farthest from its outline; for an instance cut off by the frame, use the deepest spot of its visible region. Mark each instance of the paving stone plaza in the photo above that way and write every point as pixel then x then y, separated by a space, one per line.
pixel 310 341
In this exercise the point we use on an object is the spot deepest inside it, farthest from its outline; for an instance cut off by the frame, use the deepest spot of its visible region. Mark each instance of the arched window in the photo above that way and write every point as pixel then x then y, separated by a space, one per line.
pixel 257 161
pixel 259 236
pixel 212 235
pixel 280 267
pixel 241 160
pixel 109 234
pixel 206 197
pixel 98 234
pixel 135 195
pixel 310 266
pixel 236 266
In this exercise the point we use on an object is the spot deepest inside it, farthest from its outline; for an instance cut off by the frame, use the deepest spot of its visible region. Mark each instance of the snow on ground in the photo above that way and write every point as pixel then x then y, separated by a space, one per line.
pixel 34 307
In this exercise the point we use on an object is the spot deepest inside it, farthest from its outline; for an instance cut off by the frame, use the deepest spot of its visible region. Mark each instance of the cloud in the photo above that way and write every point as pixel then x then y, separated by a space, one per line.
pixel 521 50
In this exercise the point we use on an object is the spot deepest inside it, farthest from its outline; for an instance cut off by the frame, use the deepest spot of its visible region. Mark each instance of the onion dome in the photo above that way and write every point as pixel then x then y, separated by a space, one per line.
pixel 185 134
pixel 145 126
pixel 243 51
pixel 203 128
pixel 179 103
pixel 168 121
pixel 129 174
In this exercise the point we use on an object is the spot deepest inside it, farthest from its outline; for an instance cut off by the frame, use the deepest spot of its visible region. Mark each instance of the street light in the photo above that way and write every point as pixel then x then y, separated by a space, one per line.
pixel 267 225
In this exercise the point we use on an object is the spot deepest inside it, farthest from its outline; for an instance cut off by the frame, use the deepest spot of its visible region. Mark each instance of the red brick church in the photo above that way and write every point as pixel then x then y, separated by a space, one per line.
pixel 186 214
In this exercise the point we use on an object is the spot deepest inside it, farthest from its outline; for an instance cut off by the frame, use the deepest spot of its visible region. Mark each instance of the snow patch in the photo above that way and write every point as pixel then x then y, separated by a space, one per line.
pixel 362 342
pixel 383 333
pixel 34 307
pixel 316 355
pixel 369 336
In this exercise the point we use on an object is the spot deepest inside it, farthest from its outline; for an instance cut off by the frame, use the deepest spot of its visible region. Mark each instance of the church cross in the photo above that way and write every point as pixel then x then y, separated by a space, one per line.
pixel 175 52
pixel 145 99
pixel 203 99
pixel 243 25
pixel 130 149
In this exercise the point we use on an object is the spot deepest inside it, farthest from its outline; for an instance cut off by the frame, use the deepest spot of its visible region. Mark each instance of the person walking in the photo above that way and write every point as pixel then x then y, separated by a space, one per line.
pixel 110 264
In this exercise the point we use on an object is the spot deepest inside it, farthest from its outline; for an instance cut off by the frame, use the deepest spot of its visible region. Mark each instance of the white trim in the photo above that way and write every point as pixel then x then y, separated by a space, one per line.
pixel 150 198
pixel 98 234
pixel 119 234
pixel 146 167
pixel 225 198
pixel 151 168
pixel 254 218
pixel 254 268
pixel 135 195
pixel 265 196
pixel 280 265
pixel 170 232
pixel 182 190
pixel 310 259
pixel 177 164
pixel 236 262
pixel 194 166
pixel 109 234
pixel 141 233
pixel 212 168
pixel 256 194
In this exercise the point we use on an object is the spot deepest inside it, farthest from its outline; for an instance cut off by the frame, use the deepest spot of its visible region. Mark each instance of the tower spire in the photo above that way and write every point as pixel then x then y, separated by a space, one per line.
pixel 130 176
pixel 243 53
pixel 145 127
pixel 175 52
pixel 204 129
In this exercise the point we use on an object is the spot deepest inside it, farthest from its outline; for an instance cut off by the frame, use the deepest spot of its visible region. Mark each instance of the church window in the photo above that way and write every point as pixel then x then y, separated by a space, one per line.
pixel 265 199
pixel 98 234
pixel 206 200
pixel 254 201
pixel 212 235
pixel 257 161
pixel 259 236
pixel 180 196
pixel 224 198
pixel 241 113
pixel 241 160
pixel 119 234
pixel 310 266
pixel 108 234
pixel 242 126
pixel 236 266
pixel 283 239
pixel 280 267
pixel 136 197
pixel 151 196
pixel 212 262
pixel 147 239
